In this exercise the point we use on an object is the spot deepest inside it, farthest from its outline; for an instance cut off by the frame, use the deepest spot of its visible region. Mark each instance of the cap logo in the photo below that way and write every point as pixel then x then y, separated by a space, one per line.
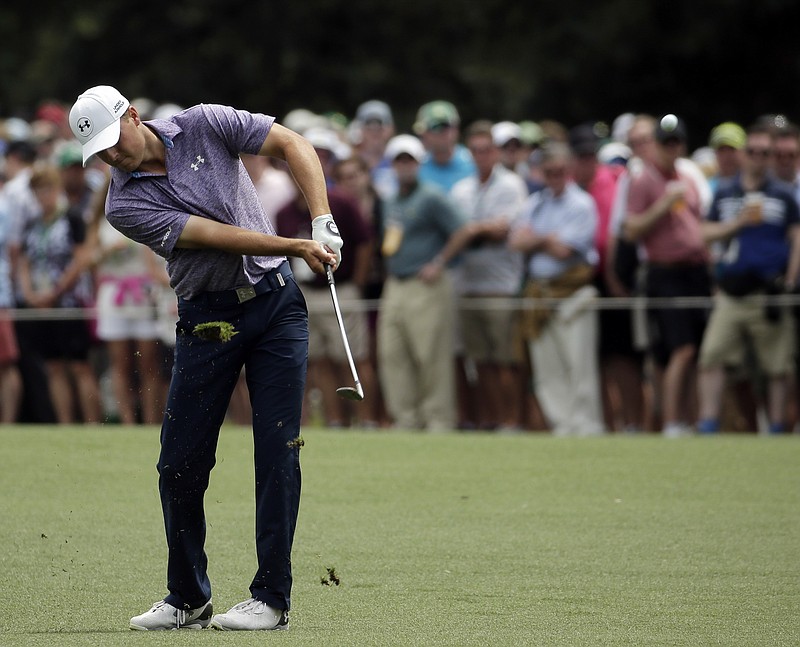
pixel 85 126
pixel 118 106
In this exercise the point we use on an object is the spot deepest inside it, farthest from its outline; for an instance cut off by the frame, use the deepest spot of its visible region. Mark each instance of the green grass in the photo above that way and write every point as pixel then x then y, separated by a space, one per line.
pixel 451 539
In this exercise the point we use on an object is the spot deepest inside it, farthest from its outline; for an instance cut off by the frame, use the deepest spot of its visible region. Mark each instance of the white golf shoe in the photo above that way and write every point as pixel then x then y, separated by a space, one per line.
pixel 164 616
pixel 251 615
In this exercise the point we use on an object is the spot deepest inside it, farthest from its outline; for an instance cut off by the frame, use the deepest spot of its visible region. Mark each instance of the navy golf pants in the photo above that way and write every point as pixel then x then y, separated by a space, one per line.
pixel 272 344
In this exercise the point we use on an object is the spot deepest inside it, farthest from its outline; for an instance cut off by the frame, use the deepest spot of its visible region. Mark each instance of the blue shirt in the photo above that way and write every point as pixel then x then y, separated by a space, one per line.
pixel 572 218
pixel 445 176
pixel 764 248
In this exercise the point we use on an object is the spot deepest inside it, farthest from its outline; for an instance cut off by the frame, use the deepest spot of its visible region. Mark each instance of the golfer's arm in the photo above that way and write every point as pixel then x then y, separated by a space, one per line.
pixel 304 164
pixel 202 233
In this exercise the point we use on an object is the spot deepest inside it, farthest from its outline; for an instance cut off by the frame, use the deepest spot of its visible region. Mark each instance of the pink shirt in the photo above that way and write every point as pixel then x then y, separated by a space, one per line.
pixel 603 188
pixel 676 237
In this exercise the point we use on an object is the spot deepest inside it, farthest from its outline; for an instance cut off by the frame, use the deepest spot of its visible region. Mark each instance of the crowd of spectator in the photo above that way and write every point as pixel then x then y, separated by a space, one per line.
pixel 581 279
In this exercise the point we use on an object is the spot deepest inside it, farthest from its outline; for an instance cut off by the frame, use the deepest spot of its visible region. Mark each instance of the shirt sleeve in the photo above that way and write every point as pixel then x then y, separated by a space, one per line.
pixel 239 130
pixel 639 198
pixel 146 221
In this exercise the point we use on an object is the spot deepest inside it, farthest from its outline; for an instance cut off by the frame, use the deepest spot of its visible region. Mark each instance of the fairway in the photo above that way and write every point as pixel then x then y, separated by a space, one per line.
pixel 450 539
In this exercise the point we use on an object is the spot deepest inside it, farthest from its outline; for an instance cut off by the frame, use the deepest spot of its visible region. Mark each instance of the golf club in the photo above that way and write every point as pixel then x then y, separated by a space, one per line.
pixel 346 392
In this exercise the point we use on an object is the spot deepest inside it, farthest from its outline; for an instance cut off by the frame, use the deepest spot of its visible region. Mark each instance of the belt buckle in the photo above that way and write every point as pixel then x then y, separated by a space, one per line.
pixel 245 294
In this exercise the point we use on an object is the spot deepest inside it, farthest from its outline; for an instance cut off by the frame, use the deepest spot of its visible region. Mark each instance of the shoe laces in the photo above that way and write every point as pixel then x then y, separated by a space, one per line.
pixel 180 614
pixel 251 606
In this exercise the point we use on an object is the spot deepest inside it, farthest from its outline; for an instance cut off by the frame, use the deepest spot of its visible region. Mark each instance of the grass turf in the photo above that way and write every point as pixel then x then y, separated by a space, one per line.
pixel 451 539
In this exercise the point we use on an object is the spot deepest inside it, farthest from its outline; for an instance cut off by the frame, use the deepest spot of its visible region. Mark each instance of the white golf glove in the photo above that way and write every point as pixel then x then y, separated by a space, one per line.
pixel 326 233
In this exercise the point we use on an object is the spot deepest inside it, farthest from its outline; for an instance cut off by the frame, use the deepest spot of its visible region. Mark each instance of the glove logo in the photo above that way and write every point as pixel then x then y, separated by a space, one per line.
pixel 332 228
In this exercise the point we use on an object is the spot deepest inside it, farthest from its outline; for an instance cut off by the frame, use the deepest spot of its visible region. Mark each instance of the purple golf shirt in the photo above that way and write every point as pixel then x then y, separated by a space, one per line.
pixel 206 178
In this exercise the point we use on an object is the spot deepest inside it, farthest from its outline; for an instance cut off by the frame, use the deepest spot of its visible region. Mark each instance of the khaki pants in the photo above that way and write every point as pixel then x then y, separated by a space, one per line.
pixel 566 374
pixel 415 353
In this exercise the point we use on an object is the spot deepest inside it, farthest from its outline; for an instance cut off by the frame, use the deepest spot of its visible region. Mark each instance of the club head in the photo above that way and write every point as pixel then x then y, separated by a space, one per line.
pixel 351 393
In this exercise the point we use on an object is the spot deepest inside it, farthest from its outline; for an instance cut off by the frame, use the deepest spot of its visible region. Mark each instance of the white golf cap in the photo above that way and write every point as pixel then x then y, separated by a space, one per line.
pixel 504 131
pixel 407 144
pixel 94 119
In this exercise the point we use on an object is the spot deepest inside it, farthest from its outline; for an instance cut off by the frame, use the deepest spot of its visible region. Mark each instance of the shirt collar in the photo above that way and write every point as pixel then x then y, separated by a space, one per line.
pixel 166 131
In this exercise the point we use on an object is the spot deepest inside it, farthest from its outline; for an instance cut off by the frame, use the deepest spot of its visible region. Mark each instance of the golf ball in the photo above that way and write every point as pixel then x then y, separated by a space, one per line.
pixel 669 122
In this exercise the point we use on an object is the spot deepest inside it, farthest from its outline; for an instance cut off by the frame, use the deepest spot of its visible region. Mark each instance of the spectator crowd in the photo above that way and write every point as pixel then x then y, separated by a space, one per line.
pixel 503 276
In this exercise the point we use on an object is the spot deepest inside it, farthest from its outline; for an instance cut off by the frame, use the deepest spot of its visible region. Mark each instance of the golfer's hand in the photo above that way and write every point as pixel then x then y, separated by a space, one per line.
pixel 326 233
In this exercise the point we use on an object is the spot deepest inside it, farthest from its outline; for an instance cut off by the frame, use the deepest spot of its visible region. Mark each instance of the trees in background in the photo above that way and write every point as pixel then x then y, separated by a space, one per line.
pixel 707 60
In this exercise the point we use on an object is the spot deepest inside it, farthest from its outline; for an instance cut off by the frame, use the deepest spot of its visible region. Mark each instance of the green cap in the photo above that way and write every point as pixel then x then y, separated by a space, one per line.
pixel 728 134
pixel 69 154
pixel 436 113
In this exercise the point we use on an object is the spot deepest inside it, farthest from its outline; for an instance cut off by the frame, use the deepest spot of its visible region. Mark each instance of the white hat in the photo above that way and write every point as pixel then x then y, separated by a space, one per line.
pixel 375 110
pixel 407 144
pixel 94 119
pixel 504 131
pixel 614 151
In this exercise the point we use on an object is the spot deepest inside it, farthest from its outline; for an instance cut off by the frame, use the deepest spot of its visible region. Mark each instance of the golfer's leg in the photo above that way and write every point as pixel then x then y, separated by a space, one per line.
pixel 203 378
pixel 276 375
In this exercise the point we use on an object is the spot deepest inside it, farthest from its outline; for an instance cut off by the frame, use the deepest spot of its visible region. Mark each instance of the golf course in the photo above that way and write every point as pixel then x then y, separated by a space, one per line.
pixel 407 538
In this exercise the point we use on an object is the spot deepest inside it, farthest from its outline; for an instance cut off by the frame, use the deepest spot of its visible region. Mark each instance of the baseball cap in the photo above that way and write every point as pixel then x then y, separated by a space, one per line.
pixel 583 139
pixel 94 119
pixel 670 127
pixel 614 153
pixel 530 133
pixel 506 131
pixel 436 113
pixel 727 134
pixel 67 154
pixel 375 110
pixel 407 144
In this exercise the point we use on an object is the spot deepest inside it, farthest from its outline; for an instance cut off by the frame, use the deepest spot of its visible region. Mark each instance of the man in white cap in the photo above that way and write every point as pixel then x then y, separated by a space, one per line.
pixel 423 230
pixel 179 187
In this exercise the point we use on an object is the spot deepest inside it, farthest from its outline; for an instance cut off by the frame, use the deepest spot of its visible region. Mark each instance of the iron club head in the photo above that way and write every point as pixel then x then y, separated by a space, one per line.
pixel 351 393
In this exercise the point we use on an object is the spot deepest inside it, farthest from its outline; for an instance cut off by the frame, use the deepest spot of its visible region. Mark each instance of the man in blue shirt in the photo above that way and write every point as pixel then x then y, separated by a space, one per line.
pixel 447 161
pixel 556 230
pixel 758 220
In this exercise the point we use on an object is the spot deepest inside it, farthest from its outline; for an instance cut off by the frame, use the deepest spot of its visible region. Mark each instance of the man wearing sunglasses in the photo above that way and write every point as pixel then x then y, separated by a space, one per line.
pixel 758 220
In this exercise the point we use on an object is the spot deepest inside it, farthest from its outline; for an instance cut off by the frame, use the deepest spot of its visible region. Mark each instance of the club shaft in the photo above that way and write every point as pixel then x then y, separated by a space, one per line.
pixel 340 320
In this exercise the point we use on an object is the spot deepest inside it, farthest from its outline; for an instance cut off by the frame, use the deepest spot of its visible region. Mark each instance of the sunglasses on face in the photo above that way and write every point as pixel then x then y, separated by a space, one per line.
pixel 786 155
pixel 439 128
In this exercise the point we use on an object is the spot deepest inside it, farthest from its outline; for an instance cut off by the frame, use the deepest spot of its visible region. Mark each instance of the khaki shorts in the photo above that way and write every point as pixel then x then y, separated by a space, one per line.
pixel 735 319
pixel 324 336
pixel 488 333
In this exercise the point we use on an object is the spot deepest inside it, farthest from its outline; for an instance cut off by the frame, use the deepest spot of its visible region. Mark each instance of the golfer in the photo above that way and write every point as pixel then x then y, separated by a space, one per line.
pixel 179 187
